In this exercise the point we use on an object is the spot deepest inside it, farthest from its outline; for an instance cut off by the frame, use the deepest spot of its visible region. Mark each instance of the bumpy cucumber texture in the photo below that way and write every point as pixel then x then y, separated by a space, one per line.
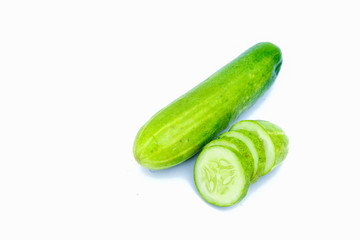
pixel 223 174
pixel 182 128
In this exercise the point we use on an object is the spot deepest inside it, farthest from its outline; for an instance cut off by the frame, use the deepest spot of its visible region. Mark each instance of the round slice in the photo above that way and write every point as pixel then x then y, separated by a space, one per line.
pixel 257 149
pixel 280 140
pixel 221 175
pixel 272 148
pixel 241 148
pixel 242 138
pixel 231 143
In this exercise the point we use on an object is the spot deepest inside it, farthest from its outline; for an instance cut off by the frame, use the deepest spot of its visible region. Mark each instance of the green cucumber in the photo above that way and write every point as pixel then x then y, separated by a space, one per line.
pixel 182 128
pixel 274 140
pixel 222 176
pixel 229 164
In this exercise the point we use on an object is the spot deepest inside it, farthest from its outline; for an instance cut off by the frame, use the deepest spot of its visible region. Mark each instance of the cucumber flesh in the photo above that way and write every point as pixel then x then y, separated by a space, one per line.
pixel 240 148
pixel 221 176
pixel 259 147
pixel 279 138
pixel 257 129
pixel 249 144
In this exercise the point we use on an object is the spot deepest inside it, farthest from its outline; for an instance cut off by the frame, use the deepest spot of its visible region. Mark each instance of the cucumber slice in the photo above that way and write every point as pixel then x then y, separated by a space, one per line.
pixel 222 176
pixel 242 138
pixel 224 142
pixel 240 148
pixel 275 152
pixel 279 138
pixel 258 151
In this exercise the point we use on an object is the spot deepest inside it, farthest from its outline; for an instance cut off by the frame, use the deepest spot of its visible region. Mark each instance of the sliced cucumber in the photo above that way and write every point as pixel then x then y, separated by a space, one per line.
pixel 224 142
pixel 279 138
pixel 241 137
pixel 182 128
pixel 268 133
pixel 258 152
pixel 222 176
pixel 229 164
pixel 240 148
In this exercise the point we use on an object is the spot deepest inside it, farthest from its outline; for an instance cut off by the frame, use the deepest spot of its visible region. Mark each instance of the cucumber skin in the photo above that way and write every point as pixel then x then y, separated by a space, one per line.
pixel 179 130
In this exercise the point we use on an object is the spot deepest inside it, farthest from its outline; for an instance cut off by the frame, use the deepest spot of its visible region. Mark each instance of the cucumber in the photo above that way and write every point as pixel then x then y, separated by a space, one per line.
pixel 182 128
pixel 274 140
pixel 256 148
pixel 222 176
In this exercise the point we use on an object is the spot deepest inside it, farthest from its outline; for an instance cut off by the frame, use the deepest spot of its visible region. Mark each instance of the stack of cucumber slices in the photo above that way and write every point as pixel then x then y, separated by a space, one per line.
pixel 228 165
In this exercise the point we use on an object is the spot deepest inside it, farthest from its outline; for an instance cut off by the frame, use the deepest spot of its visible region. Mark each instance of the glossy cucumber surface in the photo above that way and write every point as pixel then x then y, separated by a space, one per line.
pixel 182 128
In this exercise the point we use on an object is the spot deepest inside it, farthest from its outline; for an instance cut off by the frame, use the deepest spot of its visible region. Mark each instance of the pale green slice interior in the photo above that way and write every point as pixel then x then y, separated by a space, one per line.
pixel 269 147
pixel 247 141
pixel 219 176
pixel 279 138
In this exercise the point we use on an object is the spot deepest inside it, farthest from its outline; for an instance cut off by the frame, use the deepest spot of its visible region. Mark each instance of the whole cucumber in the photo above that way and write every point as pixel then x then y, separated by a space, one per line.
pixel 182 128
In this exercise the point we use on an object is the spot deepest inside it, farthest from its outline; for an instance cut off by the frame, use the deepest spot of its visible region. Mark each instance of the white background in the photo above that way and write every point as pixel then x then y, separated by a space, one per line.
pixel 79 78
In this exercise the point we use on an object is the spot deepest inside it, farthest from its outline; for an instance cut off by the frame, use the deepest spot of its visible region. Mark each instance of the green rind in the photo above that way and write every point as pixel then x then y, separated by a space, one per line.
pixel 223 142
pixel 260 150
pixel 179 130
pixel 246 172
pixel 280 140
